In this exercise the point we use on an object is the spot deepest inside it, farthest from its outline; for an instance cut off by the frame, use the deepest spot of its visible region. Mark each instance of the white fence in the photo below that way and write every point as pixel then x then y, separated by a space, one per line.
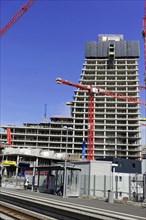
pixel 130 186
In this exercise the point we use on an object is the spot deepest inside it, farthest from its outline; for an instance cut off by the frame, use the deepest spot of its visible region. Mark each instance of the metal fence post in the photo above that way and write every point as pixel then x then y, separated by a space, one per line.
pixel 104 185
pixel 94 184
pixel 136 186
pixel 129 187
pixel 84 184
pixel 89 185
pixel 144 187
pixel 116 192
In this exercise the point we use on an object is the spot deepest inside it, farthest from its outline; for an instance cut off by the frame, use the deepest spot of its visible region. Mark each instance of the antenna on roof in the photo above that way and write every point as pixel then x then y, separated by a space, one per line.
pixel 45 114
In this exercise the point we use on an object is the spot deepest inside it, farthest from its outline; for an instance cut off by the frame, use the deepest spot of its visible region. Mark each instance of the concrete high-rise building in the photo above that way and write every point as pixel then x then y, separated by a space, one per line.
pixel 110 63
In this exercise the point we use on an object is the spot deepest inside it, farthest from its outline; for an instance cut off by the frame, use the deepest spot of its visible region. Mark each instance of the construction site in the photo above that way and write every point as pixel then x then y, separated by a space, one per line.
pixel 105 122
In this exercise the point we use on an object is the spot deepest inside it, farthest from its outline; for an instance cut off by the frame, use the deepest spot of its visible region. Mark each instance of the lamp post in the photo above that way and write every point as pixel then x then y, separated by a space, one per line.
pixel 17 168
pixel 33 176
pixel 4 145
pixel 111 191
pixel 2 160
pixel 65 163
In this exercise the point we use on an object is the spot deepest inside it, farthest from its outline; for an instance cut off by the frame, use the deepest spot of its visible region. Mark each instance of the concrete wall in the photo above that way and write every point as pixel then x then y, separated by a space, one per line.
pixel 97 178
pixel 95 175
pixel 143 166
pixel 100 168
pixel 122 49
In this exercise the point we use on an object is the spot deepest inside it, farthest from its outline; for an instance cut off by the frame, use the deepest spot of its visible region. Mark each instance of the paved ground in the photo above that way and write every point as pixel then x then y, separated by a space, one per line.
pixel 120 208
pixel 11 185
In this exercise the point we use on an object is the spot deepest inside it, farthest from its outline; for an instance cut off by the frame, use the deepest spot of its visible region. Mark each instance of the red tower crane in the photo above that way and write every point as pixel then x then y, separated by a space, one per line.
pixel 144 37
pixel 91 91
pixel 16 16
pixel 9 140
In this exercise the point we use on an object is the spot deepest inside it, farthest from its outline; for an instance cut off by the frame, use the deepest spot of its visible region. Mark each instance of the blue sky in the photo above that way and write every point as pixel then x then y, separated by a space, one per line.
pixel 48 42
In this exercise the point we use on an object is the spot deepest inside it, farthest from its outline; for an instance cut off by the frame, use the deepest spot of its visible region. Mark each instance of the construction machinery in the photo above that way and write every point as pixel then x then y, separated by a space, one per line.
pixel 144 37
pixel 9 139
pixel 16 16
pixel 91 91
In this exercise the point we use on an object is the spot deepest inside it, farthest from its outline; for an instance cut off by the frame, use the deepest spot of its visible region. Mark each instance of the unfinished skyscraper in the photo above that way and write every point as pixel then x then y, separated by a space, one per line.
pixel 110 64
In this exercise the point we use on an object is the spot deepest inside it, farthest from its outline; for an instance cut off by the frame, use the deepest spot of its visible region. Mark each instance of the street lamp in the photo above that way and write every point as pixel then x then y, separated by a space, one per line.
pixel 33 175
pixel 3 145
pixel 17 168
pixel 65 163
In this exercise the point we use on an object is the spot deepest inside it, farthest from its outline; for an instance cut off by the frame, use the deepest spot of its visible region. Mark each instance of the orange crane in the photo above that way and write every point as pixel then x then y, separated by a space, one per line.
pixel 91 91
pixel 16 16
pixel 144 37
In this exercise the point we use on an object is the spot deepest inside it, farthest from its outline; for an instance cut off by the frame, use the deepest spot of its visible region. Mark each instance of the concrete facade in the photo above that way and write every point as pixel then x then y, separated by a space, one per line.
pixel 111 64
pixel 99 177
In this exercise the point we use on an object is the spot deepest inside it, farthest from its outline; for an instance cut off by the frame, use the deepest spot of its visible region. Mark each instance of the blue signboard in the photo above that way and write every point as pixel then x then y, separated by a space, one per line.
pixel 83 148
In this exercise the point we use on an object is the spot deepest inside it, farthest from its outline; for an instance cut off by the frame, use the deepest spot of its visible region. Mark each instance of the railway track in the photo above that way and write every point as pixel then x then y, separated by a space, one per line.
pixel 14 212
pixel 41 208
pixel 8 211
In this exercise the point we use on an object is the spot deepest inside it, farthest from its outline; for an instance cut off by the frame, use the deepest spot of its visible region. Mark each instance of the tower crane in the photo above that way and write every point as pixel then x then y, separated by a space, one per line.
pixel 9 140
pixel 16 16
pixel 144 37
pixel 91 91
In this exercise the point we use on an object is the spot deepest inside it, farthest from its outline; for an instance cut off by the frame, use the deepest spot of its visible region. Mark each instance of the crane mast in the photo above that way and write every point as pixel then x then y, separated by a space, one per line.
pixel 90 132
pixel 144 38
pixel 9 138
pixel 90 135
pixel 16 16
pixel 91 91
